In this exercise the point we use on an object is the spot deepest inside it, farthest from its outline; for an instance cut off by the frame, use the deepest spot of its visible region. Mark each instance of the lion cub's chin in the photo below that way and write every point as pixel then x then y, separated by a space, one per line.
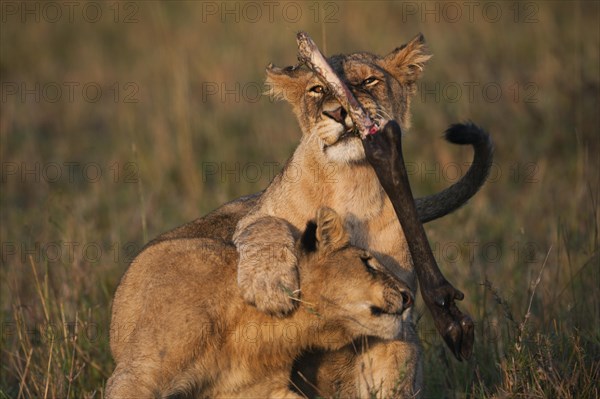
pixel 386 326
pixel 347 150
pixel 393 329
pixel 392 326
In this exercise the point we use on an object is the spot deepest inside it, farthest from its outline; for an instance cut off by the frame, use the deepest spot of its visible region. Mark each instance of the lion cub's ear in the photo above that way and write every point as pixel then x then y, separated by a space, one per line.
pixel 324 235
pixel 331 234
pixel 406 62
pixel 286 83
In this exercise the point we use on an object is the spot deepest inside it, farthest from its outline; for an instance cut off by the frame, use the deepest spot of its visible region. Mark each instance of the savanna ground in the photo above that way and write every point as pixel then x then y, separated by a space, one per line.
pixel 121 120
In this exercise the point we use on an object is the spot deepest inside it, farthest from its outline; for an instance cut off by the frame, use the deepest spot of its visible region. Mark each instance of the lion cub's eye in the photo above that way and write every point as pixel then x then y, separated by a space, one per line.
pixel 366 261
pixel 370 81
pixel 318 89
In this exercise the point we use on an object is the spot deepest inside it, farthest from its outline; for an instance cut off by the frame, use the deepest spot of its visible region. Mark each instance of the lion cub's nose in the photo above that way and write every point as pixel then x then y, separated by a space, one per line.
pixel 407 299
pixel 339 115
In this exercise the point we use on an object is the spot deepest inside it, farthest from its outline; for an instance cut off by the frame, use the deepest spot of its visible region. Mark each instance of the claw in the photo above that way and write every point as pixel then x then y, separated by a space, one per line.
pixel 459 295
pixel 453 339
pixel 455 327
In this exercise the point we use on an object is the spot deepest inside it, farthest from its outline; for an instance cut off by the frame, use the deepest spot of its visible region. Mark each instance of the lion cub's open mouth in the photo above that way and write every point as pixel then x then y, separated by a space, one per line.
pixel 377 311
pixel 349 133
pixel 352 132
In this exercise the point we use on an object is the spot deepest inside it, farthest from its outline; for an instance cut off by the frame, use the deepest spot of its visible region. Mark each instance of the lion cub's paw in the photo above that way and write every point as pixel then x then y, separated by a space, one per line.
pixel 268 278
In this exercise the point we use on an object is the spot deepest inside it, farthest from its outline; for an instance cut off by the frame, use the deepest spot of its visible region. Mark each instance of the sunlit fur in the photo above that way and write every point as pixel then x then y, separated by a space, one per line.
pixel 180 326
pixel 328 168
pixel 383 85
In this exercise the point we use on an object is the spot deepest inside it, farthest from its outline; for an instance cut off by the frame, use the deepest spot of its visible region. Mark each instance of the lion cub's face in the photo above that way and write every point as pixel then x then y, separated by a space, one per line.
pixel 347 286
pixel 383 85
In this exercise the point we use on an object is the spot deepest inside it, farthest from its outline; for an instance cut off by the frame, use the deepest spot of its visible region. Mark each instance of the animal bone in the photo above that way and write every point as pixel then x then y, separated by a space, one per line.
pixel 384 153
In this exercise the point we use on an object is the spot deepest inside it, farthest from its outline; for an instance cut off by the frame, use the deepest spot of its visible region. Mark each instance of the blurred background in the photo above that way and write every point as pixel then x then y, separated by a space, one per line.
pixel 121 120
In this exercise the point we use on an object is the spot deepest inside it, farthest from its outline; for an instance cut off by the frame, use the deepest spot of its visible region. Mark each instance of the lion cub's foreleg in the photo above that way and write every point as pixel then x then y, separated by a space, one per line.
pixel 268 266
pixel 273 386
pixel 388 369
pixel 128 382
pixel 368 368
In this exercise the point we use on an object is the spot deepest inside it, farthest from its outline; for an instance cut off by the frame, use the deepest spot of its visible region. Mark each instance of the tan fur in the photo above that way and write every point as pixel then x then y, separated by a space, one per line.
pixel 180 325
pixel 322 172
pixel 329 169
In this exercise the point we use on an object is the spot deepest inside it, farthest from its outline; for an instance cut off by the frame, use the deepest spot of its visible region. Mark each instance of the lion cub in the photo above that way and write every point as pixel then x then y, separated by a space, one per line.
pixel 181 326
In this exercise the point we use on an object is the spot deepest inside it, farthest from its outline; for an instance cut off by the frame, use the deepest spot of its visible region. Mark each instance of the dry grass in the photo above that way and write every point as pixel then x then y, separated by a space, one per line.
pixel 525 251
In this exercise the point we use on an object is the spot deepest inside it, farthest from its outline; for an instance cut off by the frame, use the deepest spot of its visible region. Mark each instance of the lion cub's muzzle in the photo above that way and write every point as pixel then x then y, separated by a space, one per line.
pixel 397 298
pixel 340 115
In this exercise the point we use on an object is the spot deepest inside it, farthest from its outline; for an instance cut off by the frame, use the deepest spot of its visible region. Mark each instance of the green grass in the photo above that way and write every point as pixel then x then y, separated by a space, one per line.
pixel 525 250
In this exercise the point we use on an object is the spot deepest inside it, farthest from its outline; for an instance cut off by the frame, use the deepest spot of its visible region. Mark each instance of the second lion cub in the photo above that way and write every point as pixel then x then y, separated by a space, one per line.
pixel 192 333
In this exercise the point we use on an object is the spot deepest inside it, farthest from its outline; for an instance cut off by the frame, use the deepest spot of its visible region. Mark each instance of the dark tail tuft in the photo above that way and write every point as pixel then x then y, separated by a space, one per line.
pixel 466 133
pixel 437 205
